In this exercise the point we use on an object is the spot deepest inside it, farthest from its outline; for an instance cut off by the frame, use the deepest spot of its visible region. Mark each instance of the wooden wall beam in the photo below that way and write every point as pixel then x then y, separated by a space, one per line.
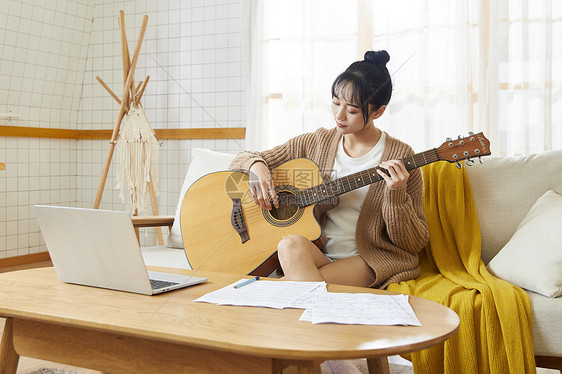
pixel 161 134
pixel 93 134
pixel 24 259
pixel 37 132
pixel 199 133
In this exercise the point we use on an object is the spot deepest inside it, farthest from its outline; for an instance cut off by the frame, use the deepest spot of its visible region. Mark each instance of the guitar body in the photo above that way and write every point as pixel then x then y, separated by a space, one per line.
pixel 211 240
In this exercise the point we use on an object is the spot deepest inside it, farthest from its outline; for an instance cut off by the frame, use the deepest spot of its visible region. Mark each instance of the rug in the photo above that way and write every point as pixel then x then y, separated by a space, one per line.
pixel 53 371
pixel 359 366
pixel 333 367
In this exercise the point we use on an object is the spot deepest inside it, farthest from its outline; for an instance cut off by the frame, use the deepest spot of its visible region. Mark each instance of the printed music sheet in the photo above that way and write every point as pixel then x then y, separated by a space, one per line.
pixel 320 305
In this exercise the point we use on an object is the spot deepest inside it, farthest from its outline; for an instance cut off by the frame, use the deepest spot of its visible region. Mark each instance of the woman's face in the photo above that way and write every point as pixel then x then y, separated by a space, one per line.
pixel 349 116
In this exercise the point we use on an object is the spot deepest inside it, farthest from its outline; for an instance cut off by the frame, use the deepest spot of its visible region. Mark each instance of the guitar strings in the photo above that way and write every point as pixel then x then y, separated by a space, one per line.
pixel 335 187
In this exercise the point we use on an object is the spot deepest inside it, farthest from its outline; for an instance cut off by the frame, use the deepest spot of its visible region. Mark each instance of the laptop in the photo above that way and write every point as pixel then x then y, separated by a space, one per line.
pixel 99 248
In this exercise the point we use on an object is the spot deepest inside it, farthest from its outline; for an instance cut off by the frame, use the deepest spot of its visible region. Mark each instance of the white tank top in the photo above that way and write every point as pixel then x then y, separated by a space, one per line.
pixel 342 220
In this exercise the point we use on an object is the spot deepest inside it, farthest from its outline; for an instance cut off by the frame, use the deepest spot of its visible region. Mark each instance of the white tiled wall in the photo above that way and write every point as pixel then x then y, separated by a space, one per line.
pixel 43 49
pixel 50 55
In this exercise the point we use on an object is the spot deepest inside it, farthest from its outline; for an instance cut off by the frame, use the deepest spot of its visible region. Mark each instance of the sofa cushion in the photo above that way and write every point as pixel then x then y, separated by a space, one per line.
pixel 547 327
pixel 203 161
pixel 532 259
pixel 505 188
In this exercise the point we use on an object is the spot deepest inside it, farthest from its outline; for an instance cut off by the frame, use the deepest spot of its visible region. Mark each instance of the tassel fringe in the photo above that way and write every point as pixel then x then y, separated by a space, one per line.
pixel 138 155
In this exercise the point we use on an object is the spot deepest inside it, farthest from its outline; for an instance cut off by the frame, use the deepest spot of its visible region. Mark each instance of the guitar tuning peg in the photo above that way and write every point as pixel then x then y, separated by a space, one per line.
pixel 469 162
pixel 459 165
pixel 449 139
pixel 470 133
pixel 459 137
pixel 480 159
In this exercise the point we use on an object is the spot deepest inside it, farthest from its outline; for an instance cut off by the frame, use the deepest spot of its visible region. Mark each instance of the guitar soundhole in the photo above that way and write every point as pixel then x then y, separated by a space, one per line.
pixel 288 211
pixel 287 207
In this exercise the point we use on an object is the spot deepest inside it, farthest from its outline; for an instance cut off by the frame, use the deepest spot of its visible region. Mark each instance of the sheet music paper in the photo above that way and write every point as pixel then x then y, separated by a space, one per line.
pixel 261 293
pixel 361 308
pixel 320 305
pixel 308 299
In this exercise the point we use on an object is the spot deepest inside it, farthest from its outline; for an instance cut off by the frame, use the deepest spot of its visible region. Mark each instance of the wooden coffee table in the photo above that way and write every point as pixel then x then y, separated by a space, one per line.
pixel 114 331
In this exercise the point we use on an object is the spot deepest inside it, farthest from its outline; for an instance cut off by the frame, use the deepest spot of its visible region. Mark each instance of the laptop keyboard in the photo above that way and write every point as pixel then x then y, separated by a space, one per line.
pixel 157 284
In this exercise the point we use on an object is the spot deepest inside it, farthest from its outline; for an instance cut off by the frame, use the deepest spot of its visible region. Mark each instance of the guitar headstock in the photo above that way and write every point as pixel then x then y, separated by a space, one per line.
pixel 474 145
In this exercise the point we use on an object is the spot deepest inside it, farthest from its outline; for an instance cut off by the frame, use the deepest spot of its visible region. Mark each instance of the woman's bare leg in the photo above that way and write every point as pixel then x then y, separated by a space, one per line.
pixel 300 259
pixel 350 271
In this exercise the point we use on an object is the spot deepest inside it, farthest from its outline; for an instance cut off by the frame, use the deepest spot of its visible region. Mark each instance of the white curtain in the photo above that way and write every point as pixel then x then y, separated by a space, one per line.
pixel 457 66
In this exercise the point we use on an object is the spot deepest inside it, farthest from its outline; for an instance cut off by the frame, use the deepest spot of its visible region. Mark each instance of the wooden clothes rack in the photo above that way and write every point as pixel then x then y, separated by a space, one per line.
pixel 131 96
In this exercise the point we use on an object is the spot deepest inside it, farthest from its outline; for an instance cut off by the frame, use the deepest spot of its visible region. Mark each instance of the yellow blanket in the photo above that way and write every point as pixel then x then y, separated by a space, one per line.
pixel 495 333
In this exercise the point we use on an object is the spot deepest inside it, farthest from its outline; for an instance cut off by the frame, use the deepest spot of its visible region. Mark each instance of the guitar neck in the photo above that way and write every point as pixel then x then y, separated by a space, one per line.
pixel 359 179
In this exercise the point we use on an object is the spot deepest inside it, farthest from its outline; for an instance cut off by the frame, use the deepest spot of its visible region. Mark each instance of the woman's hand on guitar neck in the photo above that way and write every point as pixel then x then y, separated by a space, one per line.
pixel 261 186
pixel 396 176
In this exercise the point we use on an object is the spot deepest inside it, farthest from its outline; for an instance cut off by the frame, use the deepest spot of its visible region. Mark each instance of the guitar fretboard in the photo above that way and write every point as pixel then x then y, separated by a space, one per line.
pixel 357 180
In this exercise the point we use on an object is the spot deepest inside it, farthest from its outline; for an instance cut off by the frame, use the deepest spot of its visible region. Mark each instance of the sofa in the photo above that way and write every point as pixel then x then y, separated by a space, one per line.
pixel 519 206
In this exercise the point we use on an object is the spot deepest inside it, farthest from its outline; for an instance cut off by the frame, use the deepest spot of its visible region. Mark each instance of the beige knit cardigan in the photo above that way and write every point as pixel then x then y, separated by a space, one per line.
pixel 391 229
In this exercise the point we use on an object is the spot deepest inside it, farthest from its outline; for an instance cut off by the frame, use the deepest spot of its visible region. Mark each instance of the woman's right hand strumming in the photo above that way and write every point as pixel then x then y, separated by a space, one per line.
pixel 261 186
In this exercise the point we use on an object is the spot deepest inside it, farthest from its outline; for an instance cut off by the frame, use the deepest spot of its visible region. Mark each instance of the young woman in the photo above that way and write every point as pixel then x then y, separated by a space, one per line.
pixel 375 232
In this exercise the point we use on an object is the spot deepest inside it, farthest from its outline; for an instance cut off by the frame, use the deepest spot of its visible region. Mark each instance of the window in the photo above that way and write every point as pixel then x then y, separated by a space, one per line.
pixel 456 66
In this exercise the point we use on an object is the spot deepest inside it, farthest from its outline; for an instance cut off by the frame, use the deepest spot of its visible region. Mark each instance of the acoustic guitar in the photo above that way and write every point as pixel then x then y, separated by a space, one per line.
pixel 224 230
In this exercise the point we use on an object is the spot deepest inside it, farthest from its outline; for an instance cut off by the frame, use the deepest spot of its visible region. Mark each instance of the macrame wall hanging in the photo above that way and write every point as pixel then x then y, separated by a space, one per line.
pixel 136 142
pixel 137 155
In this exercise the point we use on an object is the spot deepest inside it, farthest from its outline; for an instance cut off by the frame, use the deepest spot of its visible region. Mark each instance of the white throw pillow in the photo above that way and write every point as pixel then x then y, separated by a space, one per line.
pixel 203 161
pixel 532 259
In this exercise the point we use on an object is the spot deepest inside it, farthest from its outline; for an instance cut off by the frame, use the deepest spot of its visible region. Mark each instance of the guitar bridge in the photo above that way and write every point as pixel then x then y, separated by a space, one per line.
pixel 237 220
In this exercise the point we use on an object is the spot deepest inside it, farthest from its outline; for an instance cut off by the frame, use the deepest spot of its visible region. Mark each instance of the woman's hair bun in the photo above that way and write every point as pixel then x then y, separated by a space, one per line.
pixel 379 58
